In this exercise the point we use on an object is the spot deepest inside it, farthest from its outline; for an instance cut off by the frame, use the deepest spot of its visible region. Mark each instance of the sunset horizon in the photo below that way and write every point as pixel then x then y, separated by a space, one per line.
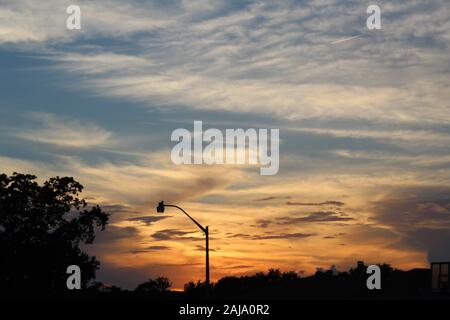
pixel 303 134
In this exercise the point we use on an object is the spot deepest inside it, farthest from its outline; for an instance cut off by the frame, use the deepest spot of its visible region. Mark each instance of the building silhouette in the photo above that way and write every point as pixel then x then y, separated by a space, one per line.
pixel 439 277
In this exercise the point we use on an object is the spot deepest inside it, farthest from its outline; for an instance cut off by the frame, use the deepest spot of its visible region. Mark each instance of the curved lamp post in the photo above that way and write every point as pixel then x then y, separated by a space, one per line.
pixel 160 209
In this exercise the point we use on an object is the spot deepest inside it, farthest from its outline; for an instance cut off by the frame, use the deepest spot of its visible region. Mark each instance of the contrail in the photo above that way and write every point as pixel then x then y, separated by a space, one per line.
pixel 346 39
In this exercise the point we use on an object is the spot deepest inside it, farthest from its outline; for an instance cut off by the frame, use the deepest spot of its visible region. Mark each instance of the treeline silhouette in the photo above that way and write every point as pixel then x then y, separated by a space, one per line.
pixel 277 285
pixel 43 227
pixel 322 285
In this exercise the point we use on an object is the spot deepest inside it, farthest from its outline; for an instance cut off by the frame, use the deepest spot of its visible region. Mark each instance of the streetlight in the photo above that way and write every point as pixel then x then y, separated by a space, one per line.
pixel 160 209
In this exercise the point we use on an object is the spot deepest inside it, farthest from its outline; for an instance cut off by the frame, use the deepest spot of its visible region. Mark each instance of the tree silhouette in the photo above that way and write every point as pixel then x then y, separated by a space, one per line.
pixel 159 285
pixel 325 284
pixel 41 230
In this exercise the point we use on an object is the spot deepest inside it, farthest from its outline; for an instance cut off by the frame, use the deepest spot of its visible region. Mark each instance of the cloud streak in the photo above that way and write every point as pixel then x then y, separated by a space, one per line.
pixel 308 204
pixel 297 235
pixel 147 220
pixel 319 216
pixel 174 234
pixel 64 132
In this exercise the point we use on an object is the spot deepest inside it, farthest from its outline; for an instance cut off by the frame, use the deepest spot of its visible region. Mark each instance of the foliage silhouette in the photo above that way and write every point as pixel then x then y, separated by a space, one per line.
pixel 276 285
pixel 41 230
pixel 157 286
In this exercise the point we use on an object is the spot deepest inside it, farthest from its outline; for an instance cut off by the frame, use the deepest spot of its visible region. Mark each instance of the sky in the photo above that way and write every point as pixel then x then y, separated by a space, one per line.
pixel 364 119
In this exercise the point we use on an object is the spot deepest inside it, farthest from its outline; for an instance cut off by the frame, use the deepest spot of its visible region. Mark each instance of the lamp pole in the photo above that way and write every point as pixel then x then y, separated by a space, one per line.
pixel 160 209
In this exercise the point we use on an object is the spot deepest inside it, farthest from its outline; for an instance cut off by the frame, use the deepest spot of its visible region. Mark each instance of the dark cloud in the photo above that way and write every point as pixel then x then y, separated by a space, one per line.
pixel 334 236
pixel 179 264
pixel 138 251
pixel 148 220
pixel 179 190
pixel 114 233
pixel 150 249
pixel 239 235
pixel 330 203
pixel 283 236
pixel 272 198
pixel 117 208
pixel 158 248
pixel 263 223
pixel 118 212
pixel 414 210
pixel 420 217
pixel 268 236
pixel 319 216
pixel 370 234
pixel 237 267
pixel 202 248
pixel 174 234
pixel 436 241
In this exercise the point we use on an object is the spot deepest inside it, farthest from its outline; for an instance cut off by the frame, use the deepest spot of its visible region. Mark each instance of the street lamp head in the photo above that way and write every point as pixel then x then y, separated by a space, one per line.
pixel 160 207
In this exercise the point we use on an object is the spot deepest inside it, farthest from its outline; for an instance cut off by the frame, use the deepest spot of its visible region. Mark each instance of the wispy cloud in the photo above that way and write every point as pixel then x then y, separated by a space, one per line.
pixel 174 234
pixel 297 235
pixel 147 220
pixel 260 58
pixel 319 216
pixel 150 249
pixel 272 198
pixel 64 132
pixel 308 204
pixel 29 22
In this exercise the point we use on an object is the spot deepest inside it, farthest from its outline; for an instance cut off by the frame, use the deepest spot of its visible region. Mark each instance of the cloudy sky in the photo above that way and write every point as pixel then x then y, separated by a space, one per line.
pixel 364 118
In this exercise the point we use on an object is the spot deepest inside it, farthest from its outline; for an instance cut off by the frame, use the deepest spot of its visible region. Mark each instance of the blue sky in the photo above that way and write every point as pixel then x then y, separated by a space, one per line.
pixel 363 116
